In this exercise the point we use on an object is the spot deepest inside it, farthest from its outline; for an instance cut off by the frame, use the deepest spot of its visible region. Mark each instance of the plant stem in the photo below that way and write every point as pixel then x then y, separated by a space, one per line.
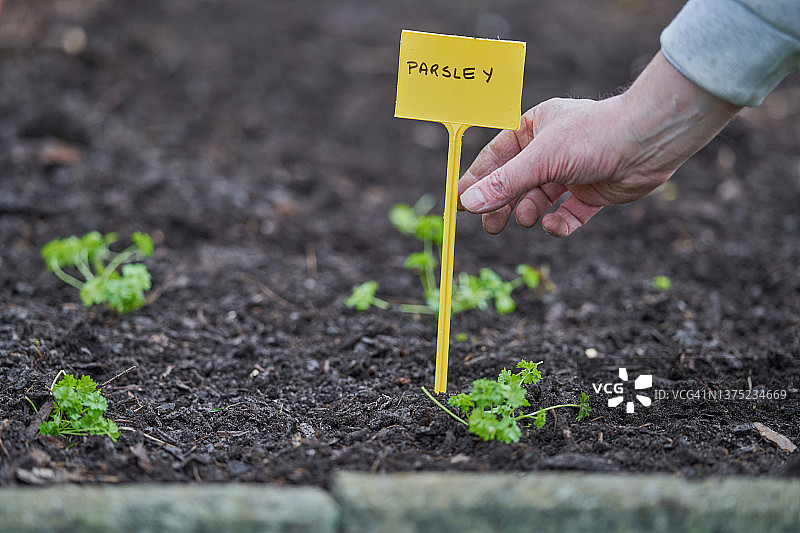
pixel 66 278
pixel 123 256
pixel 380 304
pixel 424 281
pixel 60 373
pixel 416 309
pixel 83 265
pixel 32 405
pixel 426 277
pixel 533 414
pixel 446 410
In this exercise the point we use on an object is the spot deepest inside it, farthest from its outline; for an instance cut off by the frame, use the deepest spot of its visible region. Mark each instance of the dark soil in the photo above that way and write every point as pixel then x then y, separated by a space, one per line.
pixel 256 141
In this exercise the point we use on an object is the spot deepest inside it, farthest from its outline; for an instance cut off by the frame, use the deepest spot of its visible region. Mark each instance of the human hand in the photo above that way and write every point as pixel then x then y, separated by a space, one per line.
pixel 602 152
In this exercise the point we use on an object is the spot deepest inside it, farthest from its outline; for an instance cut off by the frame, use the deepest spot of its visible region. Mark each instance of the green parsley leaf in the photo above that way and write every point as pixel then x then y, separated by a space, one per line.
pixel 78 409
pixel 530 276
pixel 362 296
pixel 540 419
pixel 662 283
pixel 430 229
pixel 494 408
pixel 530 373
pixel 93 292
pixel 404 219
pixel 97 265
pixel 143 242
pixel 62 253
pixel 420 261
pixel 462 401
pixel 585 408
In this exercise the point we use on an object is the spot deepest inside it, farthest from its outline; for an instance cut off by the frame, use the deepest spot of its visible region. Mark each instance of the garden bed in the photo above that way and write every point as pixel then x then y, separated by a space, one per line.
pixel 255 141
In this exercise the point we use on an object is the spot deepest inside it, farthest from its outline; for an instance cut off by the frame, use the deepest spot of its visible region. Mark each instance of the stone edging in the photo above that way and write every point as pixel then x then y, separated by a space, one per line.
pixel 405 503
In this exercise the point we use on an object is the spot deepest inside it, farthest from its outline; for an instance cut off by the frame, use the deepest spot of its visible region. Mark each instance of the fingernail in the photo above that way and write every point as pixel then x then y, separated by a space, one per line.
pixel 555 225
pixel 473 200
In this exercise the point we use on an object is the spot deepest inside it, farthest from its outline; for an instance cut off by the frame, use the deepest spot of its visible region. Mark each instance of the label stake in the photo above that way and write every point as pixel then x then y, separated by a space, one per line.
pixel 460 82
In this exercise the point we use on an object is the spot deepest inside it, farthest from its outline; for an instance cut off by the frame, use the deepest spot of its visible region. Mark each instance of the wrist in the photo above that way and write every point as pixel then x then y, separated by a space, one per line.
pixel 670 117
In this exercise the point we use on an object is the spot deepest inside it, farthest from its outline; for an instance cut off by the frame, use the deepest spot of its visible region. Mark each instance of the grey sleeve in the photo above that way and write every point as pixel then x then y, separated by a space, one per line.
pixel 738 50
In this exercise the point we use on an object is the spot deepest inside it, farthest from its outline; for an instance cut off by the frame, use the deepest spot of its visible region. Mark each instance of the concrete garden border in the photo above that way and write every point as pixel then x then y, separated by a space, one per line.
pixel 409 502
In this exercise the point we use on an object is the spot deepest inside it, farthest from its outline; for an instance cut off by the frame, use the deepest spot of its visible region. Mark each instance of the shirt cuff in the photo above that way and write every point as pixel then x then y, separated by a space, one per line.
pixel 735 52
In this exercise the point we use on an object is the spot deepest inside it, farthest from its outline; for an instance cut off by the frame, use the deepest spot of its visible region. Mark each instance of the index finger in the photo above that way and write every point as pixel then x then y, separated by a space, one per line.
pixel 494 155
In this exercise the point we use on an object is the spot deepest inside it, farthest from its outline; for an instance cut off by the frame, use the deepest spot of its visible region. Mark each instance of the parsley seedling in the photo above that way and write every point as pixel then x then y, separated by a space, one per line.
pixel 662 283
pixel 78 409
pixel 108 277
pixel 493 408
pixel 469 291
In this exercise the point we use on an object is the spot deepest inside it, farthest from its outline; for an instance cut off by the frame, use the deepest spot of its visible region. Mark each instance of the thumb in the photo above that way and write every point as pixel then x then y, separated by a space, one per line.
pixel 505 184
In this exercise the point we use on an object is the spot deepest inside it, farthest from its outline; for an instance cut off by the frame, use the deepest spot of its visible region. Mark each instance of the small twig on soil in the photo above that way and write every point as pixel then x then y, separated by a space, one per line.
pixel 3 426
pixel 703 384
pixel 173 444
pixel 311 261
pixel 783 442
pixel 171 448
pixel 473 360
pixel 35 347
pixel 117 376
pixel 158 291
pixel 377 462
pixel 272 294
pixel 41 415
pixel 156 440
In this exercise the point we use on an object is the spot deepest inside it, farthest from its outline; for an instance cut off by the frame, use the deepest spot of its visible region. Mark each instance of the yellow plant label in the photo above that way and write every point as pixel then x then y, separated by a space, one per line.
pixel 461 80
